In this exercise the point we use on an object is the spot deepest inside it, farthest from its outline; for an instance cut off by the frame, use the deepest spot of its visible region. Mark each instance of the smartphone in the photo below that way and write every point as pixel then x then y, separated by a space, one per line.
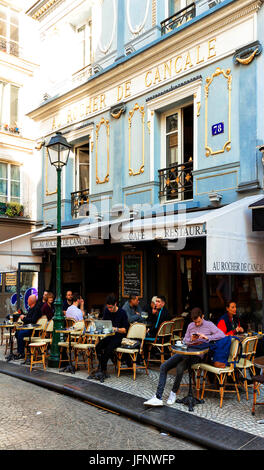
pixel 195 335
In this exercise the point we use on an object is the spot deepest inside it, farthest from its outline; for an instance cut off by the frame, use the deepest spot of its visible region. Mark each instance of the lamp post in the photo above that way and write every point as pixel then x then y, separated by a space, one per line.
pixel 58 151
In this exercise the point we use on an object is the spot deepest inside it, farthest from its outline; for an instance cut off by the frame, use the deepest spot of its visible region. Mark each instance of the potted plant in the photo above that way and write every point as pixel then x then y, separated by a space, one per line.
pixel 14 209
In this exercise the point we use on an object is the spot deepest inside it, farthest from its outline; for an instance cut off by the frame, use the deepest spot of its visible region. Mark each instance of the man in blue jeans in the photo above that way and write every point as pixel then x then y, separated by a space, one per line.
pixel 198 332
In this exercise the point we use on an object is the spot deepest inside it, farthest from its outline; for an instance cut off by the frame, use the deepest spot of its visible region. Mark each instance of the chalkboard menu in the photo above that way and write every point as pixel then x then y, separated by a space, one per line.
pixel 132 282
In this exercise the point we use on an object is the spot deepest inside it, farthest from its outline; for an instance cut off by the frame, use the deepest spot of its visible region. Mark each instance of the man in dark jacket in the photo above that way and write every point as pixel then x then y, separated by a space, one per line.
pixel 34 313
pixel 105 348
pixel 158 318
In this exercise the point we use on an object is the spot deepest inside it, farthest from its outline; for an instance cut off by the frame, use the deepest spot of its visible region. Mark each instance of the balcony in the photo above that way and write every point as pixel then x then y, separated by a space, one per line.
pixel 176 182
pixel 10 47
pixel 80 203
pixel 182 17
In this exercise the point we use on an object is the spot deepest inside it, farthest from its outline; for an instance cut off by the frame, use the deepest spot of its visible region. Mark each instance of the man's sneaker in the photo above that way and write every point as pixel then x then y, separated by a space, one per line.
pixel 154 401
pixel 171 399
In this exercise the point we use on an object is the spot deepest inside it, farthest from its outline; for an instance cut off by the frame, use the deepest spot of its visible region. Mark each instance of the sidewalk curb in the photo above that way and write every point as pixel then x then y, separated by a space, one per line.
pixel 182 424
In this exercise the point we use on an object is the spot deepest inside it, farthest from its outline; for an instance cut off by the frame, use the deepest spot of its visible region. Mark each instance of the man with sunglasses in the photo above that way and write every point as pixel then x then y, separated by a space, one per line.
pixel 105 348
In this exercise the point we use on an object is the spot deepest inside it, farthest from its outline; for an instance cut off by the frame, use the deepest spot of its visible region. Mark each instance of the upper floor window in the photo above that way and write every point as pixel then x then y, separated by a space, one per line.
pixel 177 129
pixel 177 5
pixel 84 45
pixel 9 182
pixel 9 31
pixel 9 106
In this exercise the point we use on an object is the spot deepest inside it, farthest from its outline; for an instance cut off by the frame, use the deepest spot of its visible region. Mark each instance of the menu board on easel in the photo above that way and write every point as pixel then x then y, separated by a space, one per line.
pixel 132 281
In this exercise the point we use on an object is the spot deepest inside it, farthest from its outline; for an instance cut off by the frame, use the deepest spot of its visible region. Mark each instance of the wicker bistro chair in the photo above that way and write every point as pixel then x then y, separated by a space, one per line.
pixel 75 334
pixel 38 353
pixel 85 347
pixel 248 352
pixel 162 340
pixel 36 333
pixel 136 331
pixel 177 329
pixel 221 373
pixel 69 322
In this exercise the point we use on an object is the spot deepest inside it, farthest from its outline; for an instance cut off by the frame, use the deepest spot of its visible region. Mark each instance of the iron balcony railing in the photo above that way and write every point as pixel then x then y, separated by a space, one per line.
pixel 178 19
pixel 176 182
pixel 10 47
pixel 80 203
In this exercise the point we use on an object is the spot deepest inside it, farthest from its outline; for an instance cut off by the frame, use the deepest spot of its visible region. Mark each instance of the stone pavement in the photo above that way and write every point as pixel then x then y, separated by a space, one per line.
pixel 234 414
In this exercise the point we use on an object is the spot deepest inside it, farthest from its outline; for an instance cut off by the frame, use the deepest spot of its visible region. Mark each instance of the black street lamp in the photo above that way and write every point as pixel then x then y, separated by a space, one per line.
pixel 58 151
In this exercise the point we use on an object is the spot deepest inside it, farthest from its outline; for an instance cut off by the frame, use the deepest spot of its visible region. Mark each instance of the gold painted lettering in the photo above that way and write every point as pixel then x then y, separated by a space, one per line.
pixel 119 93
pixel 53 124
pixel 198 59
pixel 82 110
pixel 188 61
pixel 127 89
pixel 88 107
pixel 148 83
pixel 102 101
pixel 95 104
pixel 157 76
pixel 167 68
pixel 75 113
pixel 211 48
pixel 69 116
pixel 176 63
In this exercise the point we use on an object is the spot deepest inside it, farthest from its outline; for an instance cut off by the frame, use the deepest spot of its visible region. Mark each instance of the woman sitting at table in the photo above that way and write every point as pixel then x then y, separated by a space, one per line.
pixel 228 323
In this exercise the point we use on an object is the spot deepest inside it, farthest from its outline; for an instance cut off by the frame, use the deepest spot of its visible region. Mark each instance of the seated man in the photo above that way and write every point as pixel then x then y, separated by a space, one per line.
pixel 34 313
pixel 199 331
pixel 67 302
pixel 133 309
pixel 76 310
pixel 228 323
pixel 105 348
pixel 160 314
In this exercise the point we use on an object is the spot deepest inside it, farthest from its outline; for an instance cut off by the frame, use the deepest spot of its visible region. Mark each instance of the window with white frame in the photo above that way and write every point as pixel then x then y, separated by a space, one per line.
pixel 177 127
pixel 82 168
pixel 177 5
pixel 10 186
pixel 84 45
pixel 9 106
pixel 9 31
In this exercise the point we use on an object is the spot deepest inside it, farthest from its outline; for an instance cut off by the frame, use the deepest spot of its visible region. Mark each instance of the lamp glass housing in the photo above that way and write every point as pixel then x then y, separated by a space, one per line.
pixel 58 150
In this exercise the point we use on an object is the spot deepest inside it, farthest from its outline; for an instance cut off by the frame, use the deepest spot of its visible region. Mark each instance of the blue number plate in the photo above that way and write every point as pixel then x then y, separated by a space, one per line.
pixel 218 128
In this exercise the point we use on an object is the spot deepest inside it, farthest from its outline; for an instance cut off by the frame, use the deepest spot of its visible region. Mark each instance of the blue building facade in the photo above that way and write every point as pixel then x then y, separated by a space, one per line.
pixel 165 116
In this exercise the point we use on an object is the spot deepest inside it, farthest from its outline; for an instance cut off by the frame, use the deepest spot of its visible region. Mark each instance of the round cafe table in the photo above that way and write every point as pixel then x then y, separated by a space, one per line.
pixel 189 400
pixel 9 326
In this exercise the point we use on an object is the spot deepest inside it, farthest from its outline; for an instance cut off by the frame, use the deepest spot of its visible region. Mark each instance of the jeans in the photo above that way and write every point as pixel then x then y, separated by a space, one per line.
pixel 20 335
pixel 181 363
pixel 105 349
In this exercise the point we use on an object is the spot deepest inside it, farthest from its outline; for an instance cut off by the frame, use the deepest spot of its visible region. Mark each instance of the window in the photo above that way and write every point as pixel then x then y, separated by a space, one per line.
pixel 176 178
pixel 82 168
pixel 9 31
pixel 9 109
pixel 9 182
pixel 84 45
pixel 177 5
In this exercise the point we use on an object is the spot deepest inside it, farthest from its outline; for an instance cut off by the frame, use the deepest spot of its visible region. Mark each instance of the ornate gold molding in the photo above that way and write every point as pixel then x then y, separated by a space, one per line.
pixel 131 114
pixel 98 126
pixel 249 59
pixel 227 75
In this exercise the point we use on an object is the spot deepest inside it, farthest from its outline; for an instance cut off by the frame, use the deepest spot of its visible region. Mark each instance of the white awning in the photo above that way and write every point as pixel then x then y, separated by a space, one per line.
pixel 18 250
pixel 231 245
pixel 81 235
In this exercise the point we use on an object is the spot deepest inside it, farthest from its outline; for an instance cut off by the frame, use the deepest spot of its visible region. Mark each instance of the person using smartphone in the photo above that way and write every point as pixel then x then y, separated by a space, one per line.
pixel 199 331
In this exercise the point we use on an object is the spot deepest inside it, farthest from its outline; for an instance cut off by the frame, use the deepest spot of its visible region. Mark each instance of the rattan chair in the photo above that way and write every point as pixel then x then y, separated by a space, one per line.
pixel 247 355
pixel 85 347
pixel 136 331
pixel 177 329
pixel 162 340
pixel 221 373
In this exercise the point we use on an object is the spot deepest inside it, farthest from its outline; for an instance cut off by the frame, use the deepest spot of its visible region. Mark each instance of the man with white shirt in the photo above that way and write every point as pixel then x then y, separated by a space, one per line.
pixel 76 310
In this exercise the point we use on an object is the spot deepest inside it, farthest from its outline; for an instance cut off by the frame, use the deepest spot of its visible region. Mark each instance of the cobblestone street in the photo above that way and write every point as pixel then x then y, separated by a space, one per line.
pixel 33 418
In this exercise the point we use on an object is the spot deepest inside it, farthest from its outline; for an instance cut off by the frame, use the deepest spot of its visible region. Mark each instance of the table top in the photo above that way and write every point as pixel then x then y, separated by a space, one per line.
pixel 259 361
pixel 99 335
pixel 28 327
pixel 188 352
pixel 8 325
